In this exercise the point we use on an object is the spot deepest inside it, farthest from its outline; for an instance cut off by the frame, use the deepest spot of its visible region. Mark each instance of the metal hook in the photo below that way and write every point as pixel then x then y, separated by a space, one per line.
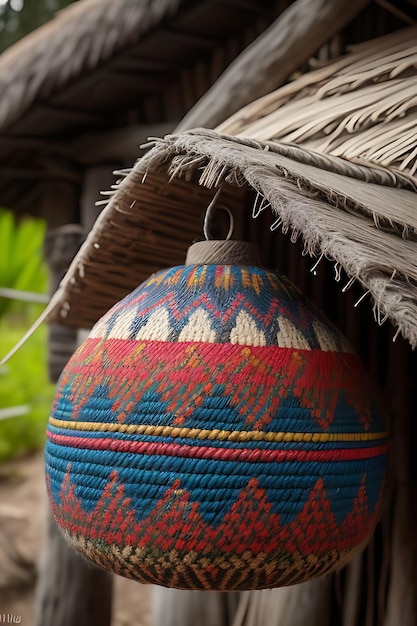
pixel 212 207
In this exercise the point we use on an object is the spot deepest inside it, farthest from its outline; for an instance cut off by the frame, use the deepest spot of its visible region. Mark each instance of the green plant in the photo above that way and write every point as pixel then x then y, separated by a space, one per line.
pixel 24 382
pixel 21 263
pixel 24 386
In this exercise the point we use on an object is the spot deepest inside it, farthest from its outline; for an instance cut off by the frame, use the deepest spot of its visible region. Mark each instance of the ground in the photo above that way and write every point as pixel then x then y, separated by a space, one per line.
pixel 22 508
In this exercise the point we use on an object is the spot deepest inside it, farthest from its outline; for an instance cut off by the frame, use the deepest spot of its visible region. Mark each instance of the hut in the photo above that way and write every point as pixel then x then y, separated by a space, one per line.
pixel 267 165
pixel 340 185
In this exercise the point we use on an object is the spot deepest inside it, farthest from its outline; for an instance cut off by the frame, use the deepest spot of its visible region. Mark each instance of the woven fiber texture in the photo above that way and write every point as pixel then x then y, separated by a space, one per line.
pixel 215 432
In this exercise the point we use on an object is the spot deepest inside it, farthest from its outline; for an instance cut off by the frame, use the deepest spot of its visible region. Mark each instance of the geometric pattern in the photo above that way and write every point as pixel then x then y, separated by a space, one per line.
pixel 215 432
pixel 213 556
pixel 247 306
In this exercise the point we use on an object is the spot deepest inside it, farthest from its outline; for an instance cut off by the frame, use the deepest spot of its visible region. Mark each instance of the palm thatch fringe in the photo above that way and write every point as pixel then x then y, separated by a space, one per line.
pixel 361 107
pixel 368 228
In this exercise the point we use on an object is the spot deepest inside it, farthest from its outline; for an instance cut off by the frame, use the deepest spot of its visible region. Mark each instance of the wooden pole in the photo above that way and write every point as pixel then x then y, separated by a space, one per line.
pixel 176 607
pixel 69 591
pixel 306 604
pixel 268 62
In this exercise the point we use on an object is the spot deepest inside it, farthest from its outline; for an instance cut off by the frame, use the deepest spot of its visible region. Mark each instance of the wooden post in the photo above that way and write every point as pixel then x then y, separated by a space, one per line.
pixel 299 605
pixel 175 607
pixel 70 592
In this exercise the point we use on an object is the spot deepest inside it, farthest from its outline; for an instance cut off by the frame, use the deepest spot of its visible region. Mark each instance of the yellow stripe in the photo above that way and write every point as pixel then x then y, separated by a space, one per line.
pixel 220 435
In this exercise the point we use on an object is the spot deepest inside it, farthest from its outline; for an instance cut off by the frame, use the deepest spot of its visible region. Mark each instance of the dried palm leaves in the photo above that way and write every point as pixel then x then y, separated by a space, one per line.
pixel 341 176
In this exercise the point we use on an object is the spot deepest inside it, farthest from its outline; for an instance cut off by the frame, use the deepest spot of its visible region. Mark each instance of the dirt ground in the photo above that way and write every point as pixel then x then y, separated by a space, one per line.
pixel 22 509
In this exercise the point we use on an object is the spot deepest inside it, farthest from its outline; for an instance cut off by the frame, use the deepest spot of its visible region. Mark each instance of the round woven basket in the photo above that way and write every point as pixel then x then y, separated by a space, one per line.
pixel 215 432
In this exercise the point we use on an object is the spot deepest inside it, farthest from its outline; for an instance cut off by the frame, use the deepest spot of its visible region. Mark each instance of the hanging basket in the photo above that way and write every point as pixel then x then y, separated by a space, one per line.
pixel 215 432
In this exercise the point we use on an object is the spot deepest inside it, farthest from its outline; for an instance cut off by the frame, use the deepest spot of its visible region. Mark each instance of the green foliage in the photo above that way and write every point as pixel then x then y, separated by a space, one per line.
pixel 24 381
pixel 21 264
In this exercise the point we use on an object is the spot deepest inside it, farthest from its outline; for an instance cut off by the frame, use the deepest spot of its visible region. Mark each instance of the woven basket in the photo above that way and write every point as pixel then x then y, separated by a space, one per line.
pixel 215 432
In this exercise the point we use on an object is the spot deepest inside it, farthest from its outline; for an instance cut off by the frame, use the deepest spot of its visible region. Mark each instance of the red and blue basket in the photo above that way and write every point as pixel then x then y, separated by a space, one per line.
pixel 215 432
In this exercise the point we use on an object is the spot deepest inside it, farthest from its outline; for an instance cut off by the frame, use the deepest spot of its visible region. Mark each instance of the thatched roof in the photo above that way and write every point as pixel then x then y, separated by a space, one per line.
pixel 361 212
pixel 81 37
pixel 102 65
pixel 361 108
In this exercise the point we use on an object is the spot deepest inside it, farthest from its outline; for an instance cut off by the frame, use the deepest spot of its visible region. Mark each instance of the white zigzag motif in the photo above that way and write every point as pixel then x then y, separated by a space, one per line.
pixel 122 326
pixel 157 328
pixel 246 331
pixel 198 328
pixel 289 336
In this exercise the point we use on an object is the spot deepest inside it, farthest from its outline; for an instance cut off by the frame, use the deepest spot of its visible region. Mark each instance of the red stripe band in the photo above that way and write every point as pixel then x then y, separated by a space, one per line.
pixel 218 454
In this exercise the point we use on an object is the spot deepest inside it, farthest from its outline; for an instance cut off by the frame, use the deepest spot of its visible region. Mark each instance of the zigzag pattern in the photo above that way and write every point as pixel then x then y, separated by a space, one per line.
pixel 246 451
pixel 246 306
pixel 250 547
pixel 211 385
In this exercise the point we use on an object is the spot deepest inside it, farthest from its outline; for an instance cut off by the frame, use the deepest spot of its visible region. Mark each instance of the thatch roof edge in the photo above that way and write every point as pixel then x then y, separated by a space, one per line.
pixel 339 216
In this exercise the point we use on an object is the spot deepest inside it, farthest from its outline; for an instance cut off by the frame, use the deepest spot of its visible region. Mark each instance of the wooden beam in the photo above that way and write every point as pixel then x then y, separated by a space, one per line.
pixel 72 114
pixel 401 600
pixel 96 180
pixel 178 607
pixel 401 15
pixel 24 142
pixel 268 62
pixel 139 64
pixel 142 83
